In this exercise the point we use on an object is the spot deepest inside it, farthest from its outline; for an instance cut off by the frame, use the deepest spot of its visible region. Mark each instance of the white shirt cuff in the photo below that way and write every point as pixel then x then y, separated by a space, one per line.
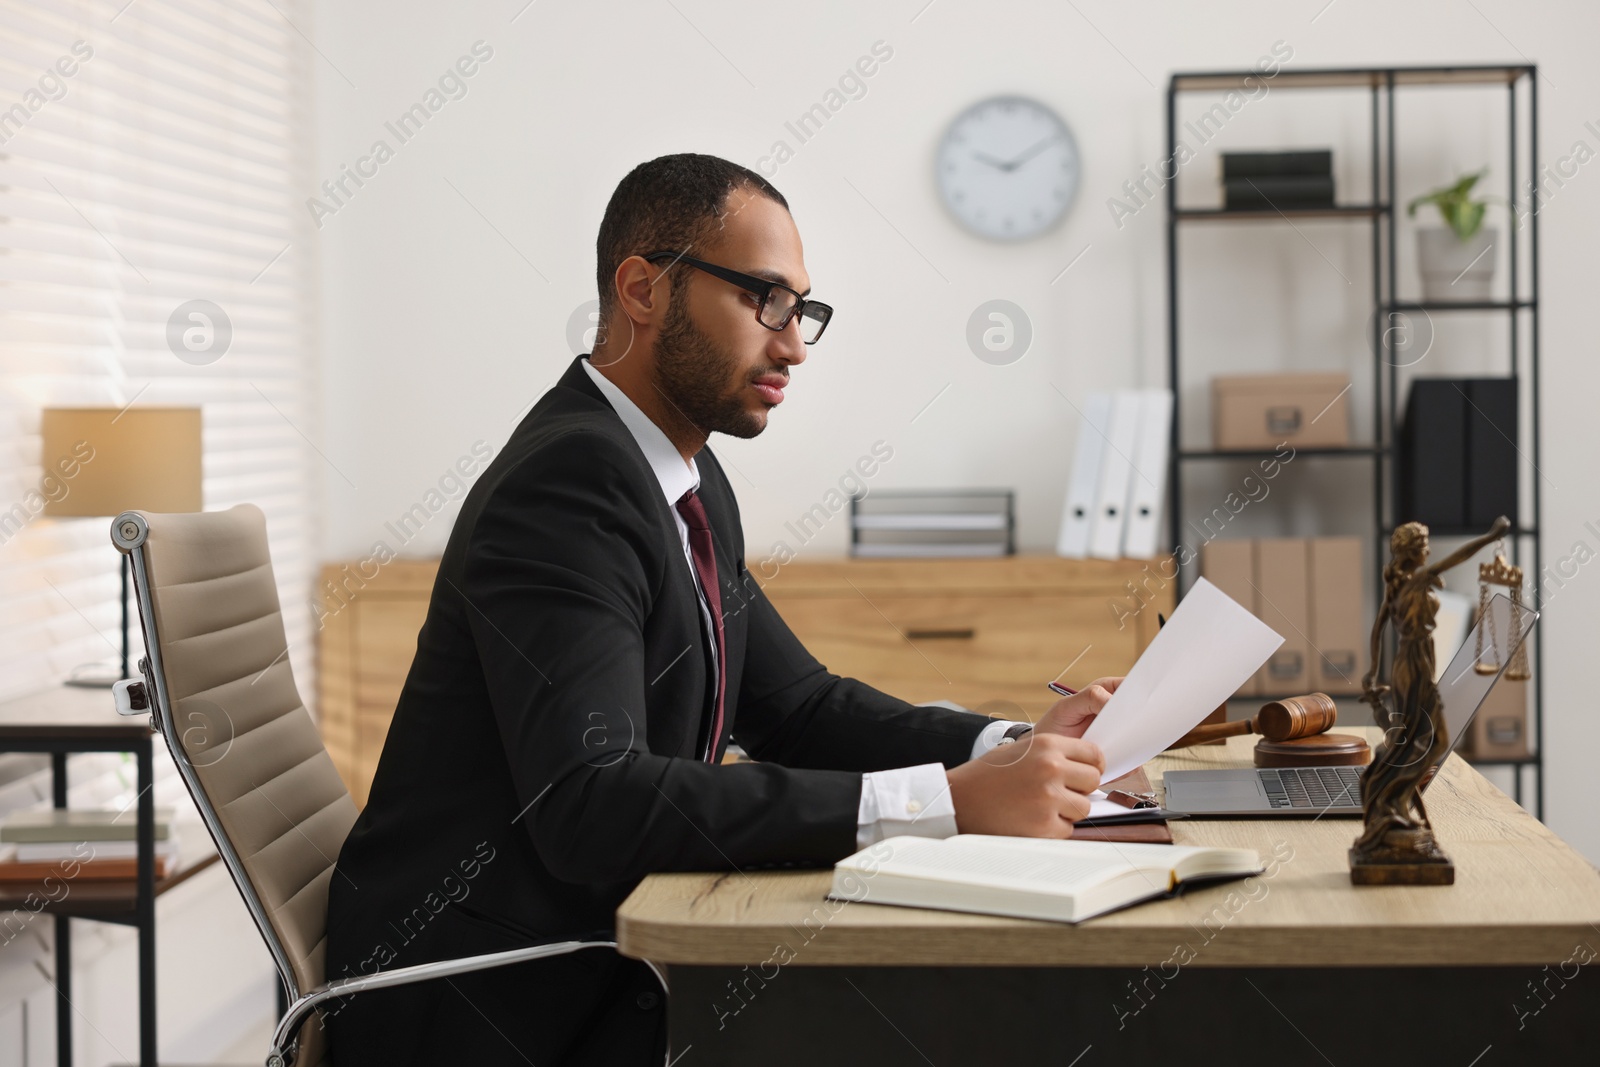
pixel 907 800
pixel 990 736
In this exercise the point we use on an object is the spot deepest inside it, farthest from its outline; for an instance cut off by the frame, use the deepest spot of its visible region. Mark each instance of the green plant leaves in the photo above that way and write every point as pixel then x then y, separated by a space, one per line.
pixel 1468 217
pixel 1456 206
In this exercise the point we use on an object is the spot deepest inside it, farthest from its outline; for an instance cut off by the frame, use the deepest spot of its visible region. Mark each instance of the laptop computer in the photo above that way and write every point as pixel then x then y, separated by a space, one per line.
pixel 1315 791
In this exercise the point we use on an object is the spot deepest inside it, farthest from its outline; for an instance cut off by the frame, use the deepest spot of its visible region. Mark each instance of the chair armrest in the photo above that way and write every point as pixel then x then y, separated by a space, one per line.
pixel 301 1009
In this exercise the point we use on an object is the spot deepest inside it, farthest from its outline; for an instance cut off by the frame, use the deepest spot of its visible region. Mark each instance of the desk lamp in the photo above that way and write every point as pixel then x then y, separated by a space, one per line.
pixel 144 458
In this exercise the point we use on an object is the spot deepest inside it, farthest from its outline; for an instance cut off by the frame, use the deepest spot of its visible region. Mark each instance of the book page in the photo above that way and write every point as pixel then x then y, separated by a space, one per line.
pixel 1206 651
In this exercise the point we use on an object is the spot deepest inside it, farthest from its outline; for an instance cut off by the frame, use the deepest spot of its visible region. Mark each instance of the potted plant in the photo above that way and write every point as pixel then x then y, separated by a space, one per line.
pixel 1455 259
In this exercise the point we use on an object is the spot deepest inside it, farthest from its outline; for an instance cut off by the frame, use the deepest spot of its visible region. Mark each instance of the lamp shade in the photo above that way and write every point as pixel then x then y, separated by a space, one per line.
pixel 104 461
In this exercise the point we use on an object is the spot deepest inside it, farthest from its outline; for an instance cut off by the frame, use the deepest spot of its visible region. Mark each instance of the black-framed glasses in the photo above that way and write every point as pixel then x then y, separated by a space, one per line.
pixel 779 303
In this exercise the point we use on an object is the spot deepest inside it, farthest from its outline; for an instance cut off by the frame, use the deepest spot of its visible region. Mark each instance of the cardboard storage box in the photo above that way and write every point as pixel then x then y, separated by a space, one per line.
pixel 1266 410
pixel 1283 602
pixel 1339 640
pixel 1500 729
pixel 1310 591
pixel 1230 566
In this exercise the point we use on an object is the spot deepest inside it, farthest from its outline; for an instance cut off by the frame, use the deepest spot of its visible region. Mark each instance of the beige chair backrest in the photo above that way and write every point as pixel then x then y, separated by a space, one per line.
pixel 256 754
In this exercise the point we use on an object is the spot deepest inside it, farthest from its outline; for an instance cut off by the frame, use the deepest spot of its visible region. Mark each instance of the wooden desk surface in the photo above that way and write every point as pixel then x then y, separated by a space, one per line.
pixel 1522 896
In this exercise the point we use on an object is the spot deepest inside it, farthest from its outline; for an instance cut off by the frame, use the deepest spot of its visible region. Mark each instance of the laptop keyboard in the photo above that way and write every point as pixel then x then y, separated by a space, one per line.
pixel 1312 787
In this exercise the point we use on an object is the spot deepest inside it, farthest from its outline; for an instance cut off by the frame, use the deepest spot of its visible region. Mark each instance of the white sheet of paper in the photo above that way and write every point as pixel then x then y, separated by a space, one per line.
pixel 1206 651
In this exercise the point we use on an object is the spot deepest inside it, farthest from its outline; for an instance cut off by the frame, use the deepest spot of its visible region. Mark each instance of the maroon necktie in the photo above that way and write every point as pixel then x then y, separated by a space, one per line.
pixel 705 565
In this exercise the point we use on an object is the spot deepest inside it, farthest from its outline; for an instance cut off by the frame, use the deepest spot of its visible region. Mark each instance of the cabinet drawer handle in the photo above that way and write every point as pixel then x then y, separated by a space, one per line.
pixel 954 633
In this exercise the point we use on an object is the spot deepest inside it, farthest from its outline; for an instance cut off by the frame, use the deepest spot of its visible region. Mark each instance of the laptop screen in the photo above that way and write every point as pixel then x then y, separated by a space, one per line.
pixel 1466 680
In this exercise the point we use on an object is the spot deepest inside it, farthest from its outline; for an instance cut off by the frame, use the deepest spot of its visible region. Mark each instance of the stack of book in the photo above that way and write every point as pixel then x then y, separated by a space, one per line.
pixel 75 844
pixel 1277 181
pixel 932 523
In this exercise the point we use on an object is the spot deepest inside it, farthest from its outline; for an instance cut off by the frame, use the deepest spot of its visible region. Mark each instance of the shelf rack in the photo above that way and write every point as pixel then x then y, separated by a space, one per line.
pixel 1381 83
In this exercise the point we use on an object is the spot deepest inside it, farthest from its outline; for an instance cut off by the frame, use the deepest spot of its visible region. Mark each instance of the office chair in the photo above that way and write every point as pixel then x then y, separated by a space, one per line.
pixel 219 689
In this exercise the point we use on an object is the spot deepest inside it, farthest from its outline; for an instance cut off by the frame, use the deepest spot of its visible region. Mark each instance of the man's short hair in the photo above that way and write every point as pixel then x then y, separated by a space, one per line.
pixel 672 202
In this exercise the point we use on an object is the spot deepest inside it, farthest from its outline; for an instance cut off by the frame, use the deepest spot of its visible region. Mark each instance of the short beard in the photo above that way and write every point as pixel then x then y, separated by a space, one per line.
pixel 691 372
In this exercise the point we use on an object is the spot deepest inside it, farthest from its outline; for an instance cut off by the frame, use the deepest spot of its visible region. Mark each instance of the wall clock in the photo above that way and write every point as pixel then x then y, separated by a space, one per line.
pixel 1007 168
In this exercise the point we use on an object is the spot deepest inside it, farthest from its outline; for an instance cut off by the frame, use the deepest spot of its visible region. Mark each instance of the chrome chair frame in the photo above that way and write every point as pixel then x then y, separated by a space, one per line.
pixel 129 532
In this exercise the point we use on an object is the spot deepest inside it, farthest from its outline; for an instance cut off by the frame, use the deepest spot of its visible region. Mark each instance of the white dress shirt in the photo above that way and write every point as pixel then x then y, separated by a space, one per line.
pixel 906 800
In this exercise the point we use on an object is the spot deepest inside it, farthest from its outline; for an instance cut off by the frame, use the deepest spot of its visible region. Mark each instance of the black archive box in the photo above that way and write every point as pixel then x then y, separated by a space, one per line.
pixel 1457 463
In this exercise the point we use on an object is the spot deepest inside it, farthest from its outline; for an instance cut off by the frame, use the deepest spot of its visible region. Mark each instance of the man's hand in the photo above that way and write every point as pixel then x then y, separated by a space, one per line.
pixel 1034 787
pixel 1071 716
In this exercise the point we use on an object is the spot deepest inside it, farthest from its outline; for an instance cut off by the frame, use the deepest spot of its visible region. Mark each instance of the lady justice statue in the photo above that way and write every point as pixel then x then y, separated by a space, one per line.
pixel 1398 846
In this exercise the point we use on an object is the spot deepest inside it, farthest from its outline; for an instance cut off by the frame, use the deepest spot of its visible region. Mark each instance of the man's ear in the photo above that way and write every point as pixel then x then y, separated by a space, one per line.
pixel 643 291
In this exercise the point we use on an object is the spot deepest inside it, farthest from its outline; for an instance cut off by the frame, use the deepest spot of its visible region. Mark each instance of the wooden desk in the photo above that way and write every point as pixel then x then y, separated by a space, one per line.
pixel 60 722
pixel 1301 966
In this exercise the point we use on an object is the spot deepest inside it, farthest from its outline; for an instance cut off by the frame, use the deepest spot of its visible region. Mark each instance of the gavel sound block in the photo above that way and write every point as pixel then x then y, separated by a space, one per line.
pixel 1293 734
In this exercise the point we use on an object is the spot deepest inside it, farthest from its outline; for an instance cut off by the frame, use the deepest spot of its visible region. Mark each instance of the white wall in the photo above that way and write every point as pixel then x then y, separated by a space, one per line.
pixel 449 277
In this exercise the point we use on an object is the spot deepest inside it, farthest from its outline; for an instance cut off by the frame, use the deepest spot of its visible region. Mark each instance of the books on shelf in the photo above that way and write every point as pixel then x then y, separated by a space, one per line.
pixel 1303 162
pixel 80 824
pixel 71 844
pixel 90 870
pixel 1277 181
pixel 1268 194
pixel 54 851
pixel 1029 878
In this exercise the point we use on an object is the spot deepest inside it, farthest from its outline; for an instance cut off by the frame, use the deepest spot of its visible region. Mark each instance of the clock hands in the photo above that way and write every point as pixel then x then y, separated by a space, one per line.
pixel 1030 153
pixel 1009 165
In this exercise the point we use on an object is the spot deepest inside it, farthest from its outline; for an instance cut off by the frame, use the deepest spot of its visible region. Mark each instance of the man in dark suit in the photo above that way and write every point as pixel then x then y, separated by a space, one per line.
pixel 593 643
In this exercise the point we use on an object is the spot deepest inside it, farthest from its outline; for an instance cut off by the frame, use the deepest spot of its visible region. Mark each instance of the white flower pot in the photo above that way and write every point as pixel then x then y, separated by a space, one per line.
pixel 1453 269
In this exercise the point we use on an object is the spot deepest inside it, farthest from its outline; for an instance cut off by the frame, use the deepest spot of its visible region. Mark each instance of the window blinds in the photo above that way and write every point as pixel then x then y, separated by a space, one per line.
pixel 152 155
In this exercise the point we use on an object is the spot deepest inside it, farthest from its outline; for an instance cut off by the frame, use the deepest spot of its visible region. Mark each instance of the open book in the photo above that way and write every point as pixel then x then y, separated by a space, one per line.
pixel 1028 877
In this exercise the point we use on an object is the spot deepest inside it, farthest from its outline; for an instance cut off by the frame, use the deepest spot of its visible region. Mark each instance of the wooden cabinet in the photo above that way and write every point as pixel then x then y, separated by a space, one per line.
pixel 364 650
pixel 985 634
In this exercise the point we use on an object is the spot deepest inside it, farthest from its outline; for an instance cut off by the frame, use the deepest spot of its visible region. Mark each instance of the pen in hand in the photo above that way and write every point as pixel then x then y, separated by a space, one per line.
pixel 1066 691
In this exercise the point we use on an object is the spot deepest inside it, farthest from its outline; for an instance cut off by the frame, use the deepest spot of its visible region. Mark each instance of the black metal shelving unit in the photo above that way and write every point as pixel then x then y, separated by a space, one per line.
pixel 1382 83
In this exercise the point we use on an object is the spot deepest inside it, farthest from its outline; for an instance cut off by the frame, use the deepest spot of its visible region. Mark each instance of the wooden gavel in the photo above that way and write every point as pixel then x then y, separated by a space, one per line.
pixel 1279 720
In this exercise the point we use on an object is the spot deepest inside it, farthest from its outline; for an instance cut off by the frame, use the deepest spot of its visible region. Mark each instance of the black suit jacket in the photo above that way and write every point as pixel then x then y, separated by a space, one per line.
pixel 542 758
